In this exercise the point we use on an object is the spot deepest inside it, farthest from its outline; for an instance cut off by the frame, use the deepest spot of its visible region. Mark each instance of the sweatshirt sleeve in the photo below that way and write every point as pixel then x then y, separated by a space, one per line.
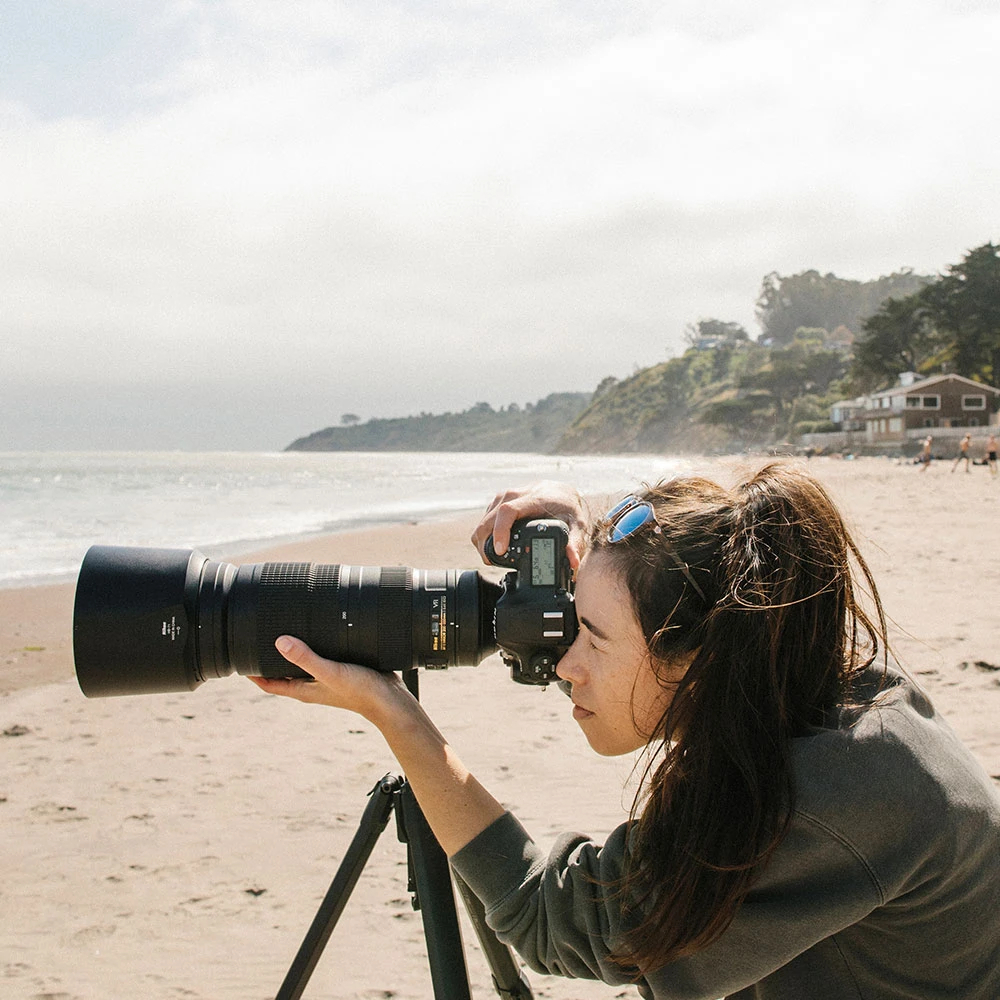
pixel 557 911
pixel 560 915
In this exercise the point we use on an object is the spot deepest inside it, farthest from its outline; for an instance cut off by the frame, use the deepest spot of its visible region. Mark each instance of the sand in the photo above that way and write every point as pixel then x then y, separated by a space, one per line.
pixel 178 846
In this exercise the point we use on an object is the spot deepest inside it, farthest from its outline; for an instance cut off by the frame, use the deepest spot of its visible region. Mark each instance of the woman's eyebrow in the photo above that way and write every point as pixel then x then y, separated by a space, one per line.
pixel 591 627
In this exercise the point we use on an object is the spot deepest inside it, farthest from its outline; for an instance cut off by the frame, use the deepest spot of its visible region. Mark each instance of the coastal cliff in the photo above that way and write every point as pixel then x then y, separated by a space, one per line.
pixel 536 427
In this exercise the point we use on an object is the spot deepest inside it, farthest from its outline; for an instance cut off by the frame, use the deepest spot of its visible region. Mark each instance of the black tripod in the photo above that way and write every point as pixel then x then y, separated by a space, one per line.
pixel 430 879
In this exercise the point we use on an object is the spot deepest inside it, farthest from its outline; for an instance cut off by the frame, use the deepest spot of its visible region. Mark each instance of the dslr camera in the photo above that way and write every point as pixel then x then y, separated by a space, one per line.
pixel 150 620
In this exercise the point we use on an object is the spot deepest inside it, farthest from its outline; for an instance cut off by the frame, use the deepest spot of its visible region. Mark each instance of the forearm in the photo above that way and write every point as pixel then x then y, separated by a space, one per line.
pixel 457 807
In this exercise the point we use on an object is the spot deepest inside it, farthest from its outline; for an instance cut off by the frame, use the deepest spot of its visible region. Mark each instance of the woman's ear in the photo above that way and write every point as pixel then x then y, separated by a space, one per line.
pixel 677 666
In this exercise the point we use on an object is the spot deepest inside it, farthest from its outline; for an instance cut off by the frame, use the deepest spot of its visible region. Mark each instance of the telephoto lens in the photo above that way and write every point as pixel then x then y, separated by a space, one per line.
pixel 155 620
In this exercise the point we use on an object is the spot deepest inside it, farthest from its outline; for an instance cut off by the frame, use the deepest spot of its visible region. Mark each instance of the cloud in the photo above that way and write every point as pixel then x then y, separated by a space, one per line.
pixel 406 211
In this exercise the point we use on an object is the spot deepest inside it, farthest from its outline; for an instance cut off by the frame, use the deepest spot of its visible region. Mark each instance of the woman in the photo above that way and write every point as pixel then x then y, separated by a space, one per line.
pixel 808 826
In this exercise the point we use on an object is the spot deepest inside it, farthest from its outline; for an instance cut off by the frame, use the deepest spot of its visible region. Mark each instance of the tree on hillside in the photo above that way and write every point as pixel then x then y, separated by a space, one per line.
pixel 900 337
pixel 746 418
pixel 794 371
pixel 719 339
pixel 965 306
pixel 814 337
pixel 811 299
pixel 951 324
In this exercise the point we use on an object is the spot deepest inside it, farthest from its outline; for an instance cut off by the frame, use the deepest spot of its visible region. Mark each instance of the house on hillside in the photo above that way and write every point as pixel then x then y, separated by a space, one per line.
pixel 849 414
pixel 914 406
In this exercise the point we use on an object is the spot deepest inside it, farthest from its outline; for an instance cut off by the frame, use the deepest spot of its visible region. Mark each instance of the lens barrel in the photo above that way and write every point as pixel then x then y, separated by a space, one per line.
pixel 158 620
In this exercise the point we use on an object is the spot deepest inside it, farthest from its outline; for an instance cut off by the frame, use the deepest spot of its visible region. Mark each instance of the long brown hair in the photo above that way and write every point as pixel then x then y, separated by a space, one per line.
pixel 756 584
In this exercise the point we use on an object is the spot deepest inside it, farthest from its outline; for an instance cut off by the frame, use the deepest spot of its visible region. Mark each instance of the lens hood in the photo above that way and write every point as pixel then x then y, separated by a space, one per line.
pixel 132 620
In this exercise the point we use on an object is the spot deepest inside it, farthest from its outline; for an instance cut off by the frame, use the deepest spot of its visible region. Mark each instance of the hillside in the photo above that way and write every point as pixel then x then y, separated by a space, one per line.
pixel 661 408
pixel 728 393
pixel 534 428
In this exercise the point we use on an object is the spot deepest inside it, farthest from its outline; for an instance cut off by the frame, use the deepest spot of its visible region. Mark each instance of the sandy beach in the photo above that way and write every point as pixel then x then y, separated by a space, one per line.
pixel 178 846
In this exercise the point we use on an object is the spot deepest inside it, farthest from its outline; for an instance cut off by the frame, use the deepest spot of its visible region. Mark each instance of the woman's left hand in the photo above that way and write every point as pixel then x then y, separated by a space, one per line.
pixel 455 804
pixel 369 693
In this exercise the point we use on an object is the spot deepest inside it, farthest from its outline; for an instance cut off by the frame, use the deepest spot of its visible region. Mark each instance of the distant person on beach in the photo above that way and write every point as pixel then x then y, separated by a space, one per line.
pixel 807 825
pixel 991 454
pixel 925 453
pixel 963 453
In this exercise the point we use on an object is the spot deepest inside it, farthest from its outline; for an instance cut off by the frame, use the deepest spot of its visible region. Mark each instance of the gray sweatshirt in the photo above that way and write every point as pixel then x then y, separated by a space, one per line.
pixel 887 884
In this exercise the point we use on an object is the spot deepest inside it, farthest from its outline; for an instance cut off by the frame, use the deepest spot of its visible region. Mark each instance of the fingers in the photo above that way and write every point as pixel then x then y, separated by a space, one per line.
pixel 301 689
pixel 339 685
pixel 329 675
pixel 497 522
pixel 546 499
pixel 297 652
pixel 576 547
pixel 288 687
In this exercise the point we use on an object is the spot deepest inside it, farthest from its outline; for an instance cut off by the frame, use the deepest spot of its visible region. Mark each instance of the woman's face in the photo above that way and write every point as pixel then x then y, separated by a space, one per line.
pixel 617 697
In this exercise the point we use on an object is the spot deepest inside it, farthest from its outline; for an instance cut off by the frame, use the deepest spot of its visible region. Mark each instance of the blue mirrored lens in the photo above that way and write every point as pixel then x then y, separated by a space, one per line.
pixel 619 507
pixel 630 521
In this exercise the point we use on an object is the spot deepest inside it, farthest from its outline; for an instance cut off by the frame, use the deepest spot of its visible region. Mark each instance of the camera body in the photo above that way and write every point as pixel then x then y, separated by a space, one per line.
pixel 534 621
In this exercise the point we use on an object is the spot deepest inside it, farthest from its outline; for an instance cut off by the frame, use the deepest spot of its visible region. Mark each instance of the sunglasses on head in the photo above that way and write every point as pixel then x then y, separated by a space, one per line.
pixel 627 517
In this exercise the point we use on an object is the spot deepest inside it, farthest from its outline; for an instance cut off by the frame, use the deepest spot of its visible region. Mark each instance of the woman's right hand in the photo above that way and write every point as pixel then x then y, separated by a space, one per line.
pixel 545 499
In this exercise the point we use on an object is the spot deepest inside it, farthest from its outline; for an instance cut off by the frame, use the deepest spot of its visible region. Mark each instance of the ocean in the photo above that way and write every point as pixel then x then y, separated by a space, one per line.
pixel 55 505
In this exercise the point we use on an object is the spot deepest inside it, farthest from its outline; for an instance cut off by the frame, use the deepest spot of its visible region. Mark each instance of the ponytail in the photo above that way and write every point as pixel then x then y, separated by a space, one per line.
pixel 779 640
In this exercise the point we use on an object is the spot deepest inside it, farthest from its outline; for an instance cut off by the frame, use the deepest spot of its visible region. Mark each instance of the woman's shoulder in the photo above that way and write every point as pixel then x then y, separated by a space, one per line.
pixel 894 781
pixel 894 749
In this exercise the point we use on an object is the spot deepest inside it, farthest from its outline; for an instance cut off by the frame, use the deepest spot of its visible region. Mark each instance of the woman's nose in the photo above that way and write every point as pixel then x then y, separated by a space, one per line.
pixel 568 668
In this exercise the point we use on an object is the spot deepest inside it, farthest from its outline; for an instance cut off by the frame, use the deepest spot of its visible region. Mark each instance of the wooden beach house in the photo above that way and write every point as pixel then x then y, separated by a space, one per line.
pixel 917 406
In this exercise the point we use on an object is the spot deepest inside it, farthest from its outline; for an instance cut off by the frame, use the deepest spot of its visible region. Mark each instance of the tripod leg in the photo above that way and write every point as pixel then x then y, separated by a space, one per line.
pixel 432 876
pixel 508 980
pixel 373 822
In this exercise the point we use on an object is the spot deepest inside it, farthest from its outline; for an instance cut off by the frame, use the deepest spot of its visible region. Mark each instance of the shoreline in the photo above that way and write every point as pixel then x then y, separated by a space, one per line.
pixel 239 549
pixel 227 504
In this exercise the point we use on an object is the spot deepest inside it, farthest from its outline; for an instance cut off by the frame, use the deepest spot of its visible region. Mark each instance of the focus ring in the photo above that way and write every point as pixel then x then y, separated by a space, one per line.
pixel 395 618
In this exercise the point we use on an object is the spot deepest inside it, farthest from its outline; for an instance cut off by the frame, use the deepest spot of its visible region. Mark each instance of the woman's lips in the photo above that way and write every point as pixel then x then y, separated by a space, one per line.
pixel 580 713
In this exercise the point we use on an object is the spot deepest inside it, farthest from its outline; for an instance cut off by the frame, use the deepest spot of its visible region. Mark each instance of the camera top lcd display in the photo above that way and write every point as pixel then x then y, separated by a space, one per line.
pixel 543 562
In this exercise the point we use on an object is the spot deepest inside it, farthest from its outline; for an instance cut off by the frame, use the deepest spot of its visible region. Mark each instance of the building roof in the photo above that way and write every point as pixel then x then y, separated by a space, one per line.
pixel 905 390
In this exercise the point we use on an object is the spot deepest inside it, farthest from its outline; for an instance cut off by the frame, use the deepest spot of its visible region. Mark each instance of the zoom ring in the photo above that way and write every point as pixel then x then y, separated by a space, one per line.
pixel 296 601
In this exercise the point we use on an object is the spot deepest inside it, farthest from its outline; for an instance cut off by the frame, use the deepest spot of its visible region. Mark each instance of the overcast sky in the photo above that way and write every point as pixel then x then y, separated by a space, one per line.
pixel 224 223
